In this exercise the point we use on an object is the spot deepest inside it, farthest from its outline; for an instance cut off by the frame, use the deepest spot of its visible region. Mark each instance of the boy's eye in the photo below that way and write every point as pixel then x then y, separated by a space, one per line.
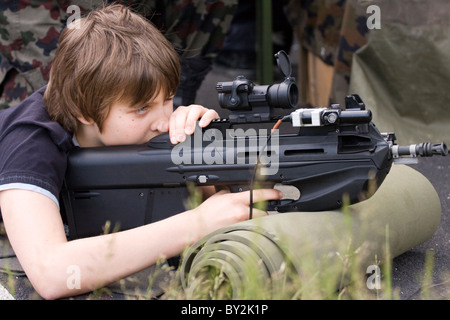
pixel 169 99
pixel 142 110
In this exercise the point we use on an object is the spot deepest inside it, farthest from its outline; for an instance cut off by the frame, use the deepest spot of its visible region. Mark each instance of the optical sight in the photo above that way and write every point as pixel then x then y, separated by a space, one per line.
pixel 253 103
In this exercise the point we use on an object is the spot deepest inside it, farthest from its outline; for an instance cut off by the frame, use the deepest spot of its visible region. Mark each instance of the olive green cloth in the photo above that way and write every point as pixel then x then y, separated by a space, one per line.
pixel 403 72
pixel 257 253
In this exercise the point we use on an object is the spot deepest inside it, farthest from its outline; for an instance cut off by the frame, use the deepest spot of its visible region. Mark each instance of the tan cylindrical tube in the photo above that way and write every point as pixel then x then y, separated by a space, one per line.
pixel 246 257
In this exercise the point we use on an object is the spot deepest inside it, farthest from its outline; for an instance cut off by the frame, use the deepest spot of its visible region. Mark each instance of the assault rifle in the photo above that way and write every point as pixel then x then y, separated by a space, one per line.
pixel 333 152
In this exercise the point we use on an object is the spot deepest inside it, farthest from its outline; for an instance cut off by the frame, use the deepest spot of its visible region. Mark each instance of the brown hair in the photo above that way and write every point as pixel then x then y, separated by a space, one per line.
pixel 115 55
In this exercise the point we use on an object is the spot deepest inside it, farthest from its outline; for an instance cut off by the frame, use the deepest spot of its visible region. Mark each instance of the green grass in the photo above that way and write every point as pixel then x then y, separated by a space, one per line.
pixel 339 276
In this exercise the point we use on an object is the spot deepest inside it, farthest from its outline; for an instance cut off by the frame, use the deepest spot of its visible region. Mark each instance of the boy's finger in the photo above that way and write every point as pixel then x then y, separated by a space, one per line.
pixel 194 113
pixel 261 195
pixel 266 194
pixel 207 117
pixel 177 124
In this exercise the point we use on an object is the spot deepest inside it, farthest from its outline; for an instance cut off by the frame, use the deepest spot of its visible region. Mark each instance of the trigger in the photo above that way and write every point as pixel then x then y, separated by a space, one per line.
pixel 279 205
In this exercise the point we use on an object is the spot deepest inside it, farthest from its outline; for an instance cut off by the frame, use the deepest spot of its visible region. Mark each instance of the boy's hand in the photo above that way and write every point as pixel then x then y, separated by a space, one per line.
pixel 224 208
pixel 183 119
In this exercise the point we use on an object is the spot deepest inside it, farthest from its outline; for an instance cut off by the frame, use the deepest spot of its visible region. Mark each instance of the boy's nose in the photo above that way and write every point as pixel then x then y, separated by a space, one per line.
pixel 161 125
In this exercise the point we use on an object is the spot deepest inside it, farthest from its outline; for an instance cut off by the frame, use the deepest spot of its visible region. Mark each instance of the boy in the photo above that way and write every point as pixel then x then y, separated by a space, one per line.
pixel 111 82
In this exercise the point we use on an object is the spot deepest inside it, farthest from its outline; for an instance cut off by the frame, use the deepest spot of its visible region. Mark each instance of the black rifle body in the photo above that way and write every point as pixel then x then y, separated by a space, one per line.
pixel 135 185
pixel 336 153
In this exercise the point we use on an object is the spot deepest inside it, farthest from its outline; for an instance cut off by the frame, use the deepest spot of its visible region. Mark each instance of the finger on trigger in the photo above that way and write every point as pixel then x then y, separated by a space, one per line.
pixel 266 194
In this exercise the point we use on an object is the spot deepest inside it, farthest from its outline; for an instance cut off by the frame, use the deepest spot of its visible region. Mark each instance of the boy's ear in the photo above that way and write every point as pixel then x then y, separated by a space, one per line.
pixel 85 121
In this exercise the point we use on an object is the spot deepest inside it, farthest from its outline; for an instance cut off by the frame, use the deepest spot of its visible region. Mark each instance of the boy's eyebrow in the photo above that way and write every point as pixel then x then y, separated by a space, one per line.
pixel 141 105
pixel 150 102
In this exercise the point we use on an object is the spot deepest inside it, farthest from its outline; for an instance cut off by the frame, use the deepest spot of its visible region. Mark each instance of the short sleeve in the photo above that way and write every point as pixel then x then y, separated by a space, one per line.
pixel 29 156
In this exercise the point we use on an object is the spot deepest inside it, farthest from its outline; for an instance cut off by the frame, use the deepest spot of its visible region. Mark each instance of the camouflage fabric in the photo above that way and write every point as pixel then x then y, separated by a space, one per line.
pixel 318 23
pixel 332 30
pixel 30 29
pixel 197 30
pixel 353 35
pixel 29 33
pixel 195 27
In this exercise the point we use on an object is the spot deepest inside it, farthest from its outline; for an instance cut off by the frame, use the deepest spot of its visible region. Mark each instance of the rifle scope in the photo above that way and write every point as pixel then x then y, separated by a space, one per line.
pixel 242 94
pixel 255 101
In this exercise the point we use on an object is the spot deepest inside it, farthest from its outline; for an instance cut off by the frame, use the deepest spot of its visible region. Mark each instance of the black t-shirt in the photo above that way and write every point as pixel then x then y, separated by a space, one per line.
pixel 33 148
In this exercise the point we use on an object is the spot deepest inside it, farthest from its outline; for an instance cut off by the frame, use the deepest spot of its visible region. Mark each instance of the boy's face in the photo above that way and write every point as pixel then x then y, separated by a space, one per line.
pixel 127 125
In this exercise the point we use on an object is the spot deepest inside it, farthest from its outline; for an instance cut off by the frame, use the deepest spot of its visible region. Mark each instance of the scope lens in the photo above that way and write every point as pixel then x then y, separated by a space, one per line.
pixel 283 95
pixel 293 94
